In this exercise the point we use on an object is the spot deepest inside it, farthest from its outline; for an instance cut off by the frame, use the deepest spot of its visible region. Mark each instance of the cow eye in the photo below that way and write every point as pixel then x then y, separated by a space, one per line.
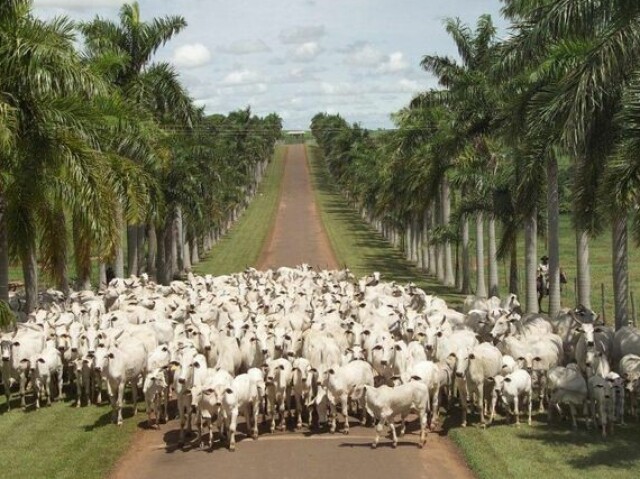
pixel 521 358
pixel 377 348
pixel 287 337
pixel 439 334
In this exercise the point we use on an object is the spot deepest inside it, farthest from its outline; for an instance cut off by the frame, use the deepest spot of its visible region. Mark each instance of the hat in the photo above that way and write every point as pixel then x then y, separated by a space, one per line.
pixel 544 258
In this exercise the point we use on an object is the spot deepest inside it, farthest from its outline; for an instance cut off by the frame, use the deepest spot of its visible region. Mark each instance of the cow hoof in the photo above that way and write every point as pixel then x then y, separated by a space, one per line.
pixel 374 445
pixel 394 445
pixel 345 432
pixel 232 448
pixel 254 436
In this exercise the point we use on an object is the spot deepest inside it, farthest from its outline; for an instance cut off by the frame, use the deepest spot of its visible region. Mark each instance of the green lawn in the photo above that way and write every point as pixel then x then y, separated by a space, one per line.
pixel 242 245
pixel 62 441
pixel 501 451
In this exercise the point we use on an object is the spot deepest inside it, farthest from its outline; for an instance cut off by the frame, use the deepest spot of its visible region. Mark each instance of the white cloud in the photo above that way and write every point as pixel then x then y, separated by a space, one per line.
pixel 78 4
pixel 408 86
pixel 306 52
pixel 395 63
pixel 241 77
pixel 363 54
pixel 191 56
pixel 246 47
pixel 302 34
pixel 339 88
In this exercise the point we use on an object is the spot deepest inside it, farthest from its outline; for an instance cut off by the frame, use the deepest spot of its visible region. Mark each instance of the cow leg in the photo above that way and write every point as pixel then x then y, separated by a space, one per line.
pixel 542 382
pixel 333 414
pixel 345 413
pixel 529 407
pixel 394 436
pixel 480 397
pixel 23 387
pixel 403 425
pixel 134 395
pixel 255 410
pixel 423 428
pixel 516 409
pixel 120 401
pixel 379 429
pixel 283 410
pixel 48 389
pixel 463 401
pixel 232 429
pixel 298 400
pixel 435 409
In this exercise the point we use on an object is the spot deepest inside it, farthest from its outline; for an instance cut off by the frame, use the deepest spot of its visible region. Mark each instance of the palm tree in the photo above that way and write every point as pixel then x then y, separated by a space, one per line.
pixel 150 86
pixel 469 95
pixel 598 43
pixel 53 157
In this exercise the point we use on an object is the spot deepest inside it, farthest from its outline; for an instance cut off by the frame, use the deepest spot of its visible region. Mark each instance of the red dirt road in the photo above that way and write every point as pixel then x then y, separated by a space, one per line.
pixel 297 237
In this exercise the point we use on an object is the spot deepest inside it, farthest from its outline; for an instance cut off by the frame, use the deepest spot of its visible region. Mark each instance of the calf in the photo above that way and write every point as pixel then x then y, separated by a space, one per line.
pixel 346 383
pixel 155 389
pixel 384 403
pixel 46 365
pixel 206 400
pixel 245 394
pixel 601 402
pixel 278 382
pixel 511 388
pixel 120 365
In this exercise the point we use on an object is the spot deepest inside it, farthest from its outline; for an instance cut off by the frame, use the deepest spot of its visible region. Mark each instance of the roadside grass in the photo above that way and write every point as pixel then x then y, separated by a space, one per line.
pixel 502 450
pixel 242 245
pixel 62 441
pixel 359 247
pixel 544 450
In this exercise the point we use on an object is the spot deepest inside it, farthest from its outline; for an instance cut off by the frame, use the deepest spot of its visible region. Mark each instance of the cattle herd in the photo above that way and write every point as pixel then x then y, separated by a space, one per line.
pixel 305 344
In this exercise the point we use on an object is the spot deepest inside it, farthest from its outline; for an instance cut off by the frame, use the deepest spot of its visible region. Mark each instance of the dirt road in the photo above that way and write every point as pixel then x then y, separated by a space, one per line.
pixel 297 236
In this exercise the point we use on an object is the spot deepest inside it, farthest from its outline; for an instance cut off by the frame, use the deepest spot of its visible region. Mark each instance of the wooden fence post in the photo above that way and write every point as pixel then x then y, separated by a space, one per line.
pixel 604 314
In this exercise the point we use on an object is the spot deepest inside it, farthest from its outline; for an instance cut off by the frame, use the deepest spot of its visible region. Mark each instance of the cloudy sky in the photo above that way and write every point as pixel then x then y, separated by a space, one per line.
pixel 359 58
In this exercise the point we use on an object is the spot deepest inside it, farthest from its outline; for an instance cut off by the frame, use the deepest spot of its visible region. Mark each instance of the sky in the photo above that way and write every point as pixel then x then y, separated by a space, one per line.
pixel 358 58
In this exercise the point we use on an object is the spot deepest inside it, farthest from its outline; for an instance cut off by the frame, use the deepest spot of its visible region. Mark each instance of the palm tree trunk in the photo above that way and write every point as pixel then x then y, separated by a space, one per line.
pixel 583 275
pixel 82 254
pixel 553 208
pixel 186 259
pixel 514 286
pixel 153 251
pixel 142 237
pixel 118 262
pixel 425 241
pixel 4 253
pixel 161 269
pixel 132 249
pixel 30 273
pixel 481 286
pixel 59 245
pixel 433 252
pixel 620 270
pixel 530 260
pixel 195 254
pixel 466 258
pixel 493 259
pixel 445 193
pixel 179 241
pixel 173 253
pixel 102 275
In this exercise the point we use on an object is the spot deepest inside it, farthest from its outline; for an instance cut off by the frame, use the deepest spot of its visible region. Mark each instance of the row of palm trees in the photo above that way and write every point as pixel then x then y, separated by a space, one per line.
pixel 483 148
pixel 99 139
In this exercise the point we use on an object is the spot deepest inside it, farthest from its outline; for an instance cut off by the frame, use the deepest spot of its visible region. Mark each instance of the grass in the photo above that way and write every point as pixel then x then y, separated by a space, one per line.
pixel 357 245
pixel 242 245
pixel 502 450
pixel 549 451
pixel 62 441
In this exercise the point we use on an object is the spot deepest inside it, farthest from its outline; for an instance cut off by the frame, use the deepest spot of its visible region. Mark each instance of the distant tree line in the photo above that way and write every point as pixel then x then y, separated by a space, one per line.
pixel 100 139
pixel 482 150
